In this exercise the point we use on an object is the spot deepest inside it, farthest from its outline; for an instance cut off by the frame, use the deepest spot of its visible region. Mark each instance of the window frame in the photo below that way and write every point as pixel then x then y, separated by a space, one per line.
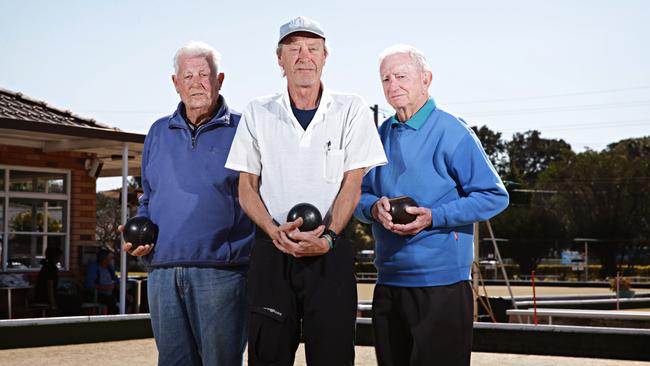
pixel 6 195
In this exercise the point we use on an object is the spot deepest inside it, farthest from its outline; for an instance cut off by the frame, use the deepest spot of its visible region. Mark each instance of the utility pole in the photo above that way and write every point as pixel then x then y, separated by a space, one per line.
pixel 375 113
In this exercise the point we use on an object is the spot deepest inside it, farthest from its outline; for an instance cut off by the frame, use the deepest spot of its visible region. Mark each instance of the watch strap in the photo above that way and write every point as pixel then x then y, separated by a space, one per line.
pixel 333 235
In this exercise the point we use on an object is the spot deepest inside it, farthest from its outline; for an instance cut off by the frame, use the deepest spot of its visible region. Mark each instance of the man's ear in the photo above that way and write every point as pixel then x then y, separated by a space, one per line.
pixel 281 66
pixel 175 82
pixel 428 76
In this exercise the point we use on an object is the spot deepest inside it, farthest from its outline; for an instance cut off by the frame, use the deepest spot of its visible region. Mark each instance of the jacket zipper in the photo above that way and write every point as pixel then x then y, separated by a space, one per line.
pixel 194 133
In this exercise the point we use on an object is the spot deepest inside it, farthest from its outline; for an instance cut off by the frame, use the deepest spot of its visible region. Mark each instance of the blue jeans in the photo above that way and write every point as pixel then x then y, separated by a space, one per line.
pixel 198 315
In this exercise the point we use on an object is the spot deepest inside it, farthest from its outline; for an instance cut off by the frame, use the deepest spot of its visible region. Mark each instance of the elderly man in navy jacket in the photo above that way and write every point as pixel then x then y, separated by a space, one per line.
pixel 197 279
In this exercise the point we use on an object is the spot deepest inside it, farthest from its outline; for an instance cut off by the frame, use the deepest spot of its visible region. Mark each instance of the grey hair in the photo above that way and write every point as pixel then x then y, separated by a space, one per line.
pixel 416 55
pixel 197 49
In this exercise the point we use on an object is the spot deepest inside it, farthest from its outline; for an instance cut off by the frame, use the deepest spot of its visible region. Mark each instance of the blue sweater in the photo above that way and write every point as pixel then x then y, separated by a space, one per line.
pixel 191 195
pixel 436 159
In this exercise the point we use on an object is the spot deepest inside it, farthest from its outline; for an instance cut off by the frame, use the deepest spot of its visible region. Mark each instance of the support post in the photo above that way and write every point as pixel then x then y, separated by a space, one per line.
pixel 123 271
pixel 497 253
pixel 475 275
pixel 586 261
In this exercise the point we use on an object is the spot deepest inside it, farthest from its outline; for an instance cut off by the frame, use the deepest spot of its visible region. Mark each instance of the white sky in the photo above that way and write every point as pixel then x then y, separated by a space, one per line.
pixel 576 70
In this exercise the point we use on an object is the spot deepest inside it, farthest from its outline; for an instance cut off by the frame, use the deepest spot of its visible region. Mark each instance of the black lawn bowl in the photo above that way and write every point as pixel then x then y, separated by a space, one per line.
pixel 398 207
pixel 140 230
pixel 310 216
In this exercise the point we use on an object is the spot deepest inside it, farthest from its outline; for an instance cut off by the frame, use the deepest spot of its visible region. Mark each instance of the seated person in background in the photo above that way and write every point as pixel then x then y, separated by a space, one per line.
pixel 47 285
pixel 101 277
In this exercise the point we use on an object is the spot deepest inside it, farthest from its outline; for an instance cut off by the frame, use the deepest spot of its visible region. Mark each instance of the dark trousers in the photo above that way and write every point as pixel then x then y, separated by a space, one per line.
pixel 287 295
pixel 418 326
pixel 110 301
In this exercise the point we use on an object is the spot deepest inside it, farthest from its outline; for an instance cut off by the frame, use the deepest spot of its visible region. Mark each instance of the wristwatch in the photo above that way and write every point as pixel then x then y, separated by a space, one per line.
pixel 331 237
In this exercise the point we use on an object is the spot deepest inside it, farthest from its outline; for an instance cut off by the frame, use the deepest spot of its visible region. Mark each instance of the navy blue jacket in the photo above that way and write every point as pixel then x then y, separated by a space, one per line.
pixel 191 196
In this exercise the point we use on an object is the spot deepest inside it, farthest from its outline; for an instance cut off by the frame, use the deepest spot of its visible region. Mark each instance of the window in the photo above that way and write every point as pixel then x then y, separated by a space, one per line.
pixel 34 215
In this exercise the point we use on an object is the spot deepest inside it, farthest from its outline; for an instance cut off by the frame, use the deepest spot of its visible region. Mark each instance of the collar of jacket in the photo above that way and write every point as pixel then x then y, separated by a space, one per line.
pixel 221 117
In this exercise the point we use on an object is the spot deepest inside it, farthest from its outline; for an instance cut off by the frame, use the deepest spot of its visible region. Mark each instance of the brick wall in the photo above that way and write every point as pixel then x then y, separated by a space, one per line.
pixel 82 198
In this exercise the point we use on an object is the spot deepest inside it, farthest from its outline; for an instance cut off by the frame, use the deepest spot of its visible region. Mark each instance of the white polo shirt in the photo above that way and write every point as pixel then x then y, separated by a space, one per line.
pixel 297 165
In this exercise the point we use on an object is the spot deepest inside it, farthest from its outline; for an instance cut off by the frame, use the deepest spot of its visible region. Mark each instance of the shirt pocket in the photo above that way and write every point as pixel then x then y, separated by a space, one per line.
pixel 334 159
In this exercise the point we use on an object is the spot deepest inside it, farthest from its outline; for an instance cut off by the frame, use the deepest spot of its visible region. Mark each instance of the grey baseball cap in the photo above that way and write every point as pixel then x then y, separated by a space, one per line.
pixel 301 24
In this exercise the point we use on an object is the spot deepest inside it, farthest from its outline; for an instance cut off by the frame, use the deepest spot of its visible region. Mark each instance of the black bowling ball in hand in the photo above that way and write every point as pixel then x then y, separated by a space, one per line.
pixel 311 218
pixel 398 207
pixel 140 230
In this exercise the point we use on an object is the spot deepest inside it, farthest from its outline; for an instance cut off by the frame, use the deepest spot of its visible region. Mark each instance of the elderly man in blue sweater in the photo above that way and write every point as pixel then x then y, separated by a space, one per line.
pixel 422 304
pixel 198 265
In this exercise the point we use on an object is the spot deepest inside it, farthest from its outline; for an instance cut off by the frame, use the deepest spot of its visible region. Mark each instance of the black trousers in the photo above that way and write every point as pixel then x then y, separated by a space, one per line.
pixel 313 295
pixel 110 301
pixel 418 326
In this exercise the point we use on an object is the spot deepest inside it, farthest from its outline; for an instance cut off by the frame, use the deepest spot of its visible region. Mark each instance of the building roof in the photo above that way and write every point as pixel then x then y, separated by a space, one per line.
pixel 15 105
pixel 32 123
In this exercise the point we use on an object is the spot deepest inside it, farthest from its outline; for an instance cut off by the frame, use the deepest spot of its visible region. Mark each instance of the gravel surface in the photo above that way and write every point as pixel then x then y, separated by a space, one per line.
pixel 143 352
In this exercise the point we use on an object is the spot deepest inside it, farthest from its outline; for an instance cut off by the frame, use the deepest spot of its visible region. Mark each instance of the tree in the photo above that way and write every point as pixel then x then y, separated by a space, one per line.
pixel 108 219
pixel 529 154
pixel 604 195
pixel 23 222
pixel 494 146
pixel 359 235
pixel 532 232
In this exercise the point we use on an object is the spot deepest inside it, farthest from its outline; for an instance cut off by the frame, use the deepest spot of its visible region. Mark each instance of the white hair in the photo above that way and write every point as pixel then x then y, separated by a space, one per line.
pixel 197 49
pixel 416 55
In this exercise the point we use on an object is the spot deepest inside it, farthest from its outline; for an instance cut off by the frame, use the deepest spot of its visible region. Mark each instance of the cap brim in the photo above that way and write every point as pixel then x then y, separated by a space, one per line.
pixel 319 35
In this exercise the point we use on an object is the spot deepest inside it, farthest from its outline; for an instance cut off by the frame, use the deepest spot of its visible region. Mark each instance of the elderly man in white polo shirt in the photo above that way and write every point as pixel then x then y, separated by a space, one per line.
pixel 306 144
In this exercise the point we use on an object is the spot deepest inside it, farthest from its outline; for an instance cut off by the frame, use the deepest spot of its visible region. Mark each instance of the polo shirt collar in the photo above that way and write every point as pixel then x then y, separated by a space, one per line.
pixel 421 116
pixel 323 105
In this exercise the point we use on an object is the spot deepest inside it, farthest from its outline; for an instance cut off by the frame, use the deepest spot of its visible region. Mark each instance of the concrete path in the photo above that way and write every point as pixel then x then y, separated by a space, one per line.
pixel 143 353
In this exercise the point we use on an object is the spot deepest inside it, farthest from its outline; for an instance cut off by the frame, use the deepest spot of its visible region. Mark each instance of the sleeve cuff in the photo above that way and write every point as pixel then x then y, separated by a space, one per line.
pixel 437 218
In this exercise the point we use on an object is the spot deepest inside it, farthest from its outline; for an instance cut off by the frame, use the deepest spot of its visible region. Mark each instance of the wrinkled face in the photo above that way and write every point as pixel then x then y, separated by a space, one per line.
pixel 196 83
pixel 302 58
pixel 405 84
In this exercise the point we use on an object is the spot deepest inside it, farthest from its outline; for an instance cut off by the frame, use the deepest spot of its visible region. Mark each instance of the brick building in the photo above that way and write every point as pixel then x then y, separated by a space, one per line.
pixel 49 162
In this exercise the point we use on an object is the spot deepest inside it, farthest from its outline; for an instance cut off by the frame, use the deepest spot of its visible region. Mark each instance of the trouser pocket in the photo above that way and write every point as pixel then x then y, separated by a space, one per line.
pixel 271 336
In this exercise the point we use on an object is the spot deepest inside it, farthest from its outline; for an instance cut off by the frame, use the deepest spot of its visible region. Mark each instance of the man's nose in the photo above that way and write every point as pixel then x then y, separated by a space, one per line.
pixel 196 80
pixel 392 83
pixel 304 51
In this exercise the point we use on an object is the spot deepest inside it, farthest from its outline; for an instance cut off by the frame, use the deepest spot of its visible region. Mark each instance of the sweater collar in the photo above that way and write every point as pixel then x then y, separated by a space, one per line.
pixel 421 116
